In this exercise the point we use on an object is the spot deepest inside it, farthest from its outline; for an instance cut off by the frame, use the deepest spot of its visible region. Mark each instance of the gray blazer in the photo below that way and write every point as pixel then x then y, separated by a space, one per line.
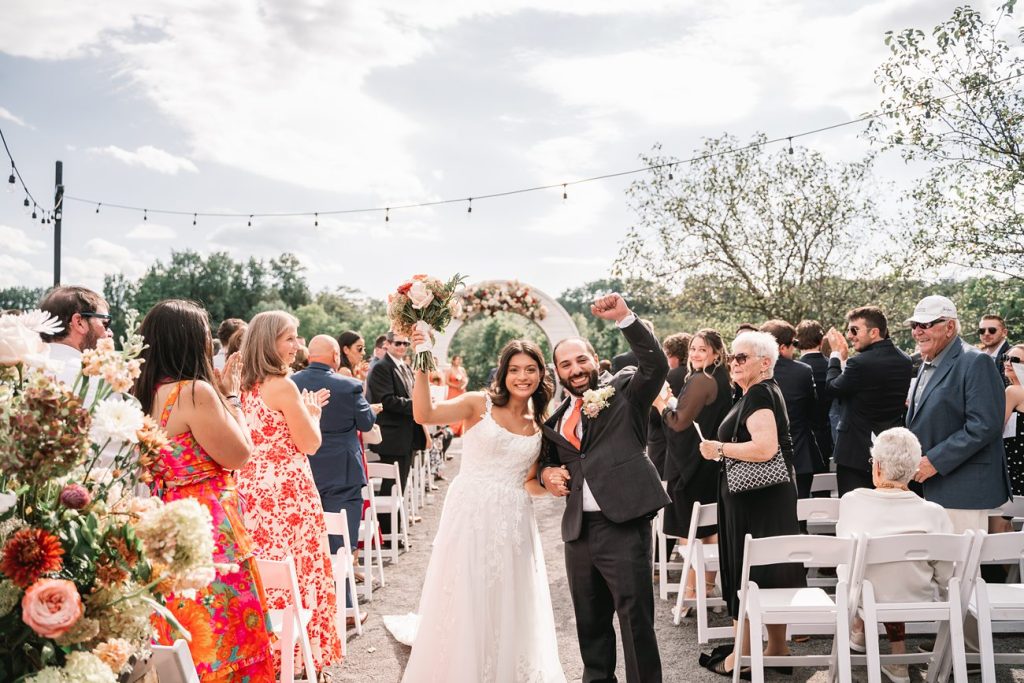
pixel 959 421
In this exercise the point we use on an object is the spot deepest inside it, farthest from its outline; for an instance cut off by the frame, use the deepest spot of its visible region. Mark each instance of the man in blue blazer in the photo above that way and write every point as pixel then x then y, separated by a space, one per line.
pixel 338 464
pixel 956 412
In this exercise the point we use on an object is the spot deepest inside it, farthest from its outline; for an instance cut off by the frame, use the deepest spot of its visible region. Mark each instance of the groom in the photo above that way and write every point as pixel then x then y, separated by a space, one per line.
pixel 594 454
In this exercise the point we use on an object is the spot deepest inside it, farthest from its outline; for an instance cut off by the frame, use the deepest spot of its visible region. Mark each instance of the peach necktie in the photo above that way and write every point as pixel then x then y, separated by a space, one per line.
pixel 569 428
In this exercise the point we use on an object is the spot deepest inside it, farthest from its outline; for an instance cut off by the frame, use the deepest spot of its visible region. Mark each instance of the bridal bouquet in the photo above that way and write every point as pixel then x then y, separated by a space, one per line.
pixel 83 562
pixel 426 304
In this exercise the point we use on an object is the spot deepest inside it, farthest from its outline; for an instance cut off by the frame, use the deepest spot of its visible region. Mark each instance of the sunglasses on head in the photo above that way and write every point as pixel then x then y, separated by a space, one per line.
pixel 925 326
pixel 738 358
pixel 104 318
pixel 987 330
pixel 400 343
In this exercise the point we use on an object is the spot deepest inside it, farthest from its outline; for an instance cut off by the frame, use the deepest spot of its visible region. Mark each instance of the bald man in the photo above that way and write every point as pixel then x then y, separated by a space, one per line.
pixel 338 464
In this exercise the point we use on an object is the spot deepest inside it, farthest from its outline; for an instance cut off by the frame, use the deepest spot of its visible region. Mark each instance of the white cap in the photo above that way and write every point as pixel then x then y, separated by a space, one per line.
pixel 932 308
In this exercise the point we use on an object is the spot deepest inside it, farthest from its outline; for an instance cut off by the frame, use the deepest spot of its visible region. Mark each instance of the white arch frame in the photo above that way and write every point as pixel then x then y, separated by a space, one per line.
pixel 556 325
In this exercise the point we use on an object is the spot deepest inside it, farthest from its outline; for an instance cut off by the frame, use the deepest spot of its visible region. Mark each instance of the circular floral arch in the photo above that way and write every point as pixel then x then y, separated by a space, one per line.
pixel 508 296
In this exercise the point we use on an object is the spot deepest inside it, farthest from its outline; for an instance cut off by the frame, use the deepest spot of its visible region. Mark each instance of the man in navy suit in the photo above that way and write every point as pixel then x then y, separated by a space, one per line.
pixel 338 464
pixel 956 412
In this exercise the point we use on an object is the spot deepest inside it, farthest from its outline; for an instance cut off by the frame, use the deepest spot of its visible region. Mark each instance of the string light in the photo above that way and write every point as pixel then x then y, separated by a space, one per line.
pixel 470 208
pixel 316 220
pixel 250 220
pixel 670 176
pixel 33 211
pixel 98 207
pixel 193 219
pixel 26 202
pixel 565 193
pixel 12 179
pixel 145 214
pixel 790 145
pixel 387 214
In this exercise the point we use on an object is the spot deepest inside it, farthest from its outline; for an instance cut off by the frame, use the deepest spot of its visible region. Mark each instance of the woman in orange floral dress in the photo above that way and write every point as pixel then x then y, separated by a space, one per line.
pixel 284 514
pixel 208 438
pixel 458 380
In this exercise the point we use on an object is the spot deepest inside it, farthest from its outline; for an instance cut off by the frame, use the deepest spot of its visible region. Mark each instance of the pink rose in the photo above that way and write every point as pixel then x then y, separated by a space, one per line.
pixel 51 606
pixel 420 295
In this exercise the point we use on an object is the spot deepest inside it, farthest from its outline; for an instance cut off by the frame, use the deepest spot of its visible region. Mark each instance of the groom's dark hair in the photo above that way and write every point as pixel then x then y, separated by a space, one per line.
pixel 586 343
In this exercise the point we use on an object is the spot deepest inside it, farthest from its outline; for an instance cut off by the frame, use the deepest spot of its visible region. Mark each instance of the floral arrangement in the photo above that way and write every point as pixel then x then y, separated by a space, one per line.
pixel 84 563
pixel 427 304
pixel 510 297
pixel 596 400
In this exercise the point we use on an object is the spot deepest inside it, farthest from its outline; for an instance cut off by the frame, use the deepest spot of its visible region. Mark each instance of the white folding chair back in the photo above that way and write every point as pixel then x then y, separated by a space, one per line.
pixel 995 603
pixel 820 516
pixel 805 606
pixel 947 609
pixel 289 624
pixel 661 557
pixel 393 505
pixel 825 481
pixel 344 576
pixel 373 557
pixel 173 663
pixel 701 557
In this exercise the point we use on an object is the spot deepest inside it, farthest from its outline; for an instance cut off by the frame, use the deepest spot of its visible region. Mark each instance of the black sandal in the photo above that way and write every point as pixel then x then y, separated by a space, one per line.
pixel 715 662
pixel 719 668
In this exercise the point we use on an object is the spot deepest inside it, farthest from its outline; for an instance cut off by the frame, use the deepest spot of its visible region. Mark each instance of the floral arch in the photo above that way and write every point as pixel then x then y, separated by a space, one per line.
pixel 508 296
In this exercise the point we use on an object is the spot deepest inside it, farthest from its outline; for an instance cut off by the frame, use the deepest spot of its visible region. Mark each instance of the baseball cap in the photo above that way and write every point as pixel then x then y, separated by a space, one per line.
pixel 932 308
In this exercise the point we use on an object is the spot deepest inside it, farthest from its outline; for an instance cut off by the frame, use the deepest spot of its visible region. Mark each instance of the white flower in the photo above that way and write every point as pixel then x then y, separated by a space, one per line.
pixel 7 501
pixel 50 674
pixel 420 295
pixel 596 400
pixel 41 322
pixel 19 343
pixel 179 535
pixel 116 420
pixel 85 667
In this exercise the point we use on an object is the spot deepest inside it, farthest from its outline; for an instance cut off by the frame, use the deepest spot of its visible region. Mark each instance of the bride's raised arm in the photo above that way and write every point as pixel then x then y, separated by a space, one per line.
pixel 466 407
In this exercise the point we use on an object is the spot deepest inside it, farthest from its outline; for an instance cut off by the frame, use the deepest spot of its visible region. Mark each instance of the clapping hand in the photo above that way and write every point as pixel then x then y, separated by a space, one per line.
pixel 315 401
pixel 610 307
pixel 837 342
pixel 230 377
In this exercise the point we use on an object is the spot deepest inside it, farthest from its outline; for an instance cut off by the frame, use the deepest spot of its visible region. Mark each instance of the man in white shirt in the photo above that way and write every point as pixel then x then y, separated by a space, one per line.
pixel 85 316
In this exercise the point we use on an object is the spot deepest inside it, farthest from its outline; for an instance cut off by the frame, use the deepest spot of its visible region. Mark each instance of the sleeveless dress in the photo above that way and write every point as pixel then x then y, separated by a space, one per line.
pixel 485 608
pixel 227 619
pixel 1015 456
pixel 285 517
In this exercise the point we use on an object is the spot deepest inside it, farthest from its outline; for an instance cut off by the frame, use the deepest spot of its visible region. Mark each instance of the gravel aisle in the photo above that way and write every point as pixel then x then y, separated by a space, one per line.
pixel 376 656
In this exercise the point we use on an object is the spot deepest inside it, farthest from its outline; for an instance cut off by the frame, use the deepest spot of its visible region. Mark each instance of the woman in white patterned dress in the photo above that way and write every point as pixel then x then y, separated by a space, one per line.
pixel 485 609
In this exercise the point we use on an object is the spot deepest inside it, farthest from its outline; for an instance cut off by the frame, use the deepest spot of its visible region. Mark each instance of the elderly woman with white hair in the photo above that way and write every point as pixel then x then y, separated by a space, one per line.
pixel 753 431
pixel 892 508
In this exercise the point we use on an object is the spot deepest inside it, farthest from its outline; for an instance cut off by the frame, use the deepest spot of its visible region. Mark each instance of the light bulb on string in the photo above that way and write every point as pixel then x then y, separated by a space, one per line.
pixel 387 214
pixel 316 220
pixel 470 208
pixel 193 219
pixel 98 207
pixel 565 193
pixel 11 180
pixel 33 211
pixel 670 176
pixel 790 145
pixel 25 204
pixel 250 220
pixel 145 214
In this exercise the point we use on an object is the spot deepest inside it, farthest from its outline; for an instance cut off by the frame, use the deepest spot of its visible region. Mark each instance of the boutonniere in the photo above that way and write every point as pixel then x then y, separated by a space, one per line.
pixel 596 400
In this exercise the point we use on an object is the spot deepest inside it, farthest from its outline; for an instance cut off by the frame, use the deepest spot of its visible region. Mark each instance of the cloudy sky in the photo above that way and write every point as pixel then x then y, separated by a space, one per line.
pixel 248 106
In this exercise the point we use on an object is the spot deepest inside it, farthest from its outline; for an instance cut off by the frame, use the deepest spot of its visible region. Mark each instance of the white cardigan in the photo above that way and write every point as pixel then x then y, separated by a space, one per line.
pixel 885 512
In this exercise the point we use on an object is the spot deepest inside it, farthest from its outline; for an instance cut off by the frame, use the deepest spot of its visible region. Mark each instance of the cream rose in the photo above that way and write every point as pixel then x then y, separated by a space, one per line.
pixel 420 295
pixel 18 343
pixel 51 606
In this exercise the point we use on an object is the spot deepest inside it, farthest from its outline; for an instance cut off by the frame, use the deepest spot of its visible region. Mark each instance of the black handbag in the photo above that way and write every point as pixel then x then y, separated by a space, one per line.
pixel 742 475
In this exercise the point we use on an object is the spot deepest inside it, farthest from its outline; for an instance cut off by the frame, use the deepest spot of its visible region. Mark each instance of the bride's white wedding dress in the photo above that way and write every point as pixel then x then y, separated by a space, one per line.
pixel 485 610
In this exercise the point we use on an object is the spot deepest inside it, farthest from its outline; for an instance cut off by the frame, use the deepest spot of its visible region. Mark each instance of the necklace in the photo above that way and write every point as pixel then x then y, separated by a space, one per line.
pixel 892 485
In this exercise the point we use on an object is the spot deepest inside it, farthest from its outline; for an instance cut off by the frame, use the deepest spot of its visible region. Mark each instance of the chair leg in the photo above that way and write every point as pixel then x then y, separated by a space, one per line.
pixel 305 648
pixel 395 534
pixel 871 635
pixel 353 591
pixel 287 643
pixel 841 643
pixel 956 636
pixel 986 646
pixel 380 558
pixel 701 589
pixel 368 542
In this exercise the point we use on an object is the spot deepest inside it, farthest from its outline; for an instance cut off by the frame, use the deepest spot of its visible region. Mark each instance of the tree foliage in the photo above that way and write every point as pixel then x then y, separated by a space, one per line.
pixel 480 341
pixel 954 99
pixel 752 234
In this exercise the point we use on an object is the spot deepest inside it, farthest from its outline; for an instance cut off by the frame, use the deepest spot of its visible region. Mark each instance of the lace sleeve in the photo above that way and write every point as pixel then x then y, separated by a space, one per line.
pixel 699 391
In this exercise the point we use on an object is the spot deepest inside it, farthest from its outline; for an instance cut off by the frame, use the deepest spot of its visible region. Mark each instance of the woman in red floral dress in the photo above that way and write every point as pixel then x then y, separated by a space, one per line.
pixel 284 514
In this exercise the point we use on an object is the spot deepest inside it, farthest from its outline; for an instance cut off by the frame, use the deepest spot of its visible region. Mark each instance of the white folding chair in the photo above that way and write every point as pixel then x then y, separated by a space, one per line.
pixel 821 516
pixel 173 663
pixel 372 553
pixel 393 505
pixel 414 491
pixel 947 609
pixel 662 558
pixel 344 576
pixel 289 624
pixel 996 602
pixel 701 557
pixel 825 481
pixel 804 606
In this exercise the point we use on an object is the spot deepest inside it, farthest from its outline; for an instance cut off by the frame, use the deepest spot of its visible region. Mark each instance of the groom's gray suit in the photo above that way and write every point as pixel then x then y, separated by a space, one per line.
pixel 608 553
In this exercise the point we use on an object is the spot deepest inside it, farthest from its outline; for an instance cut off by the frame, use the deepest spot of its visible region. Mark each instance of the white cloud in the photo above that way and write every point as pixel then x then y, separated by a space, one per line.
pixel 101 257
pixel 6 115
pixel 148 230
pixel 575 260
pixel 18 242
pixel 149 157
pixel 17 272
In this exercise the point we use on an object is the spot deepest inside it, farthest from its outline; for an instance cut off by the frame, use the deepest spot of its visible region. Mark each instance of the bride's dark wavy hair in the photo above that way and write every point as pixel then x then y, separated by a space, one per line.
pixel 499 392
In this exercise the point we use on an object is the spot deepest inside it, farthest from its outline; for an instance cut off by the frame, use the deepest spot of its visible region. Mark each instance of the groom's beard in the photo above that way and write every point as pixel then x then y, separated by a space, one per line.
pixel 592 384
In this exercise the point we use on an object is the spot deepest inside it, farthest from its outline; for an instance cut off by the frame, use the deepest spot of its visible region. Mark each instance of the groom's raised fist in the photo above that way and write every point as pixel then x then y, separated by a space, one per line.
pixel 610 307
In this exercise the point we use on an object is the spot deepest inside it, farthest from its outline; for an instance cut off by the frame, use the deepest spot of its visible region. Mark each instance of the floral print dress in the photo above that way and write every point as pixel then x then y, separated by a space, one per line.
pixel 285 517
pixel 227 619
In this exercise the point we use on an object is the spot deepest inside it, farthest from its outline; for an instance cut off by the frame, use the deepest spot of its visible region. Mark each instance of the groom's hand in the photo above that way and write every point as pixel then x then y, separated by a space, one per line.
pixel 611 307
pixel 555 480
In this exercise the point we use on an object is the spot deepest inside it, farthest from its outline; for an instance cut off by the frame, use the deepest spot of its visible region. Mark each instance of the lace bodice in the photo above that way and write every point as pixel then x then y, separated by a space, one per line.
pixel 496 456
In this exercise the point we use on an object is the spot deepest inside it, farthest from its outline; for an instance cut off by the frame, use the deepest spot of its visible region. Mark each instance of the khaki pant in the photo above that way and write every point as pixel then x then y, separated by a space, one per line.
pixel 973 520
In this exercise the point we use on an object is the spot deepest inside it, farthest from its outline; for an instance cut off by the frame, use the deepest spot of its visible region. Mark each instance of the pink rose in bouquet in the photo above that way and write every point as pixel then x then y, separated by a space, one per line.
pixel 51 606
pixel 425 303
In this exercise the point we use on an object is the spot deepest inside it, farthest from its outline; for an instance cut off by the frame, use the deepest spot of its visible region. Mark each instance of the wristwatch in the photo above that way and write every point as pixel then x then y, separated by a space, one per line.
pixel 721 451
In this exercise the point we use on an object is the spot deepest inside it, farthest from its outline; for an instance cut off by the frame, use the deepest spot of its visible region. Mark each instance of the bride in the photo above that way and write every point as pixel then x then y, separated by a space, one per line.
pixel 485 609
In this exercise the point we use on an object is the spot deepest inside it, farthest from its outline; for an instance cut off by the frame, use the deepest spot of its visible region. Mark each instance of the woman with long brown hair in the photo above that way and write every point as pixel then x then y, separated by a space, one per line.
pixel 485 608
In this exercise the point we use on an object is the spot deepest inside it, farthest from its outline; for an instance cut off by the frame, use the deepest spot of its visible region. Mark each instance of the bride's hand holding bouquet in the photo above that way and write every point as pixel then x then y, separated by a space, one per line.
pixel 424 304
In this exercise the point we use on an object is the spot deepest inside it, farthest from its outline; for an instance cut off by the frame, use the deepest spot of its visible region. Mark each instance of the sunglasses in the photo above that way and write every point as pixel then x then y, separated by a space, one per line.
pixel 852 329
pixel 925 326
pixel 987 330
pixel 400 343
pixel 1013 359
pixel 104 318
pixel 738 358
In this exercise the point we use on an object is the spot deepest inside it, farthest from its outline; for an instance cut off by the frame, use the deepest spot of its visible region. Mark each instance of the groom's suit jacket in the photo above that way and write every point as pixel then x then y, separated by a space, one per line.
pixel 612 455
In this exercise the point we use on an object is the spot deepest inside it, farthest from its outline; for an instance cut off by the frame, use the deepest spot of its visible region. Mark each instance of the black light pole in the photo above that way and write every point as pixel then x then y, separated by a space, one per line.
pixel 58 214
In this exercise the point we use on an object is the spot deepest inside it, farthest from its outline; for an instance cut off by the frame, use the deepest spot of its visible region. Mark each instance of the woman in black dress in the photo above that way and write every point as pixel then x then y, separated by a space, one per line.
pixel 754 430
pixel 1013 364
pixel 705 399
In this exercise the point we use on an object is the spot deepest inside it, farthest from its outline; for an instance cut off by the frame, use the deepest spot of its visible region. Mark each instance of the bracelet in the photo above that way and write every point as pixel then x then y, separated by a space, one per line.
pixel 234 402
pixel 231 396
pixel 721 450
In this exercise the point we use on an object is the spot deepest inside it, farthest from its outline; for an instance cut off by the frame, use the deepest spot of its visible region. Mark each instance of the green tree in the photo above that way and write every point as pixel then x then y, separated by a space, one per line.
pixel 289 280
pixel 20 298
pixel 480 341
pixel 953 99
pixel 757 234
pixel 120 294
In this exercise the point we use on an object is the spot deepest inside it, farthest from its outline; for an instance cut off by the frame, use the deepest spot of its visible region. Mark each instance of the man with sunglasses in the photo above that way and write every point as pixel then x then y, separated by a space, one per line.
pixel 992 334
pixel 871 387
pixel 956 412
pixel 86 318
